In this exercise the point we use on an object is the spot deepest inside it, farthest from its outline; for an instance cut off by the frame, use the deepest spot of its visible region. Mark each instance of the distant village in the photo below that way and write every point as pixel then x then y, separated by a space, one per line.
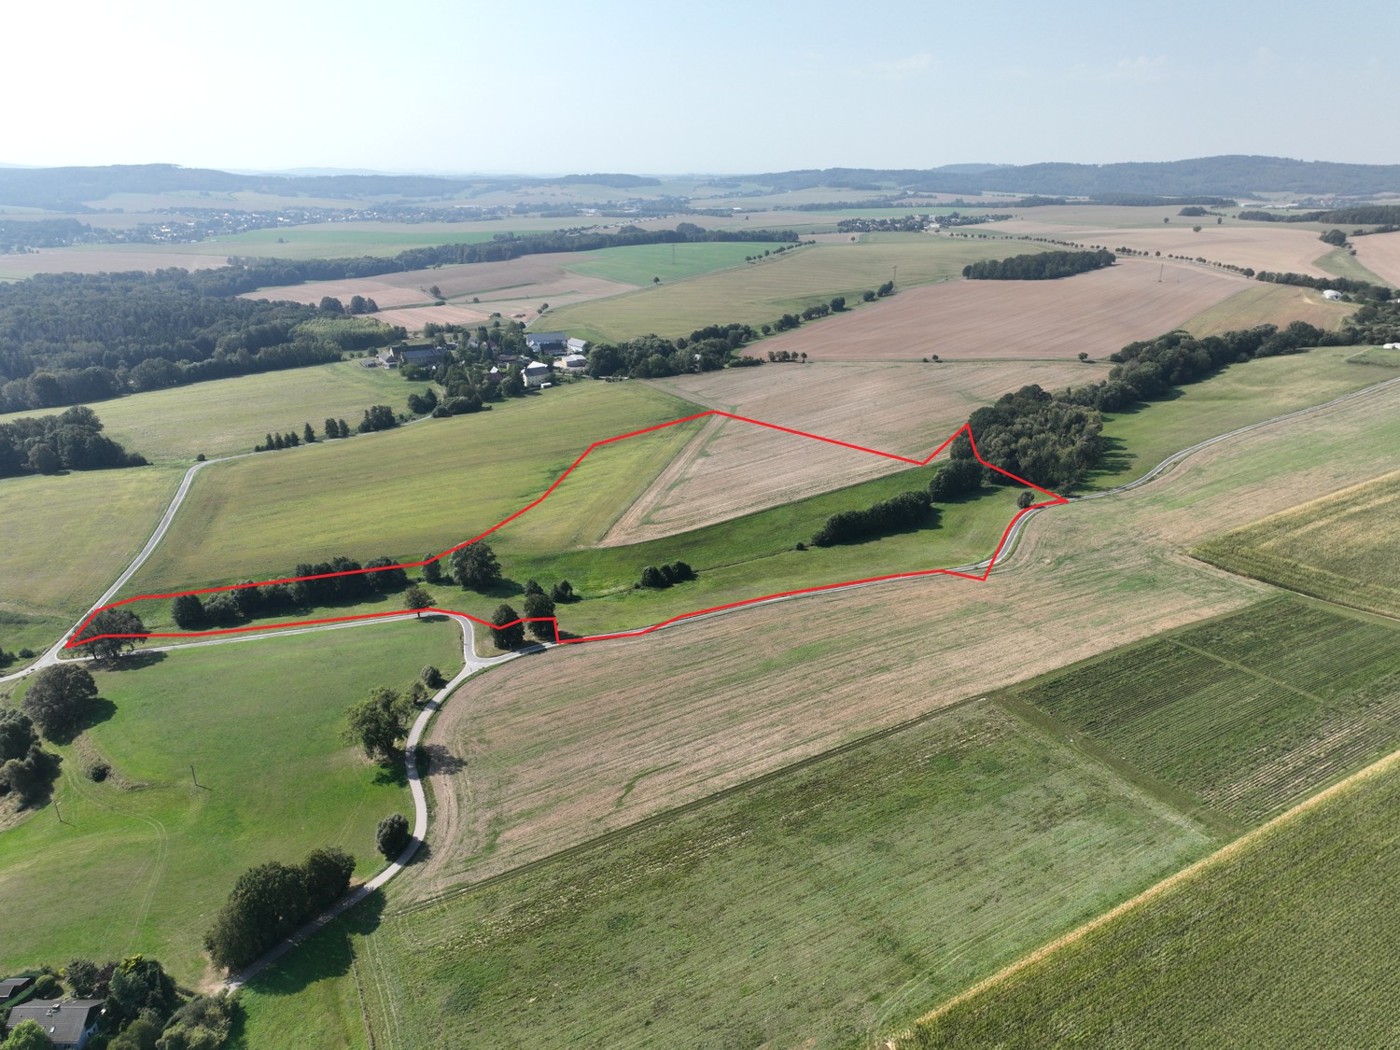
pixel 548 354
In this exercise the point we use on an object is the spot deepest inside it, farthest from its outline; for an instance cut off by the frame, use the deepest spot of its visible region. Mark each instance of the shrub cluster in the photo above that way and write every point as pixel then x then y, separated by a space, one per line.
pixel 666 576
pixel 898 512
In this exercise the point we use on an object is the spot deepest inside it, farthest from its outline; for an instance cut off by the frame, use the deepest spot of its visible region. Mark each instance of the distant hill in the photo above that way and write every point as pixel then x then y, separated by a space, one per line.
pixel 1229 176
pixel 69 189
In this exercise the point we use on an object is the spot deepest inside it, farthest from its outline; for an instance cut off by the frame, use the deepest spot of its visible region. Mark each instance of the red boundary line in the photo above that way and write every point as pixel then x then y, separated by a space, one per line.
pixel 1054 500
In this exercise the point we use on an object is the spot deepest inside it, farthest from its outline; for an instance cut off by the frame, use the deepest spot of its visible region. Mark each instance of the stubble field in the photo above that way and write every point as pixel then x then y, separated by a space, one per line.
pixel 1380 253
pixel 1094 313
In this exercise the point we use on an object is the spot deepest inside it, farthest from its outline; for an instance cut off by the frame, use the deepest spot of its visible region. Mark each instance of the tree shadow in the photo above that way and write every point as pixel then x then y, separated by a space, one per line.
pixel 330 952
pixel 394 772
pixel 95 711
pixel 421 855
pixel 435 758
pixel 134 661
pixel 1114 460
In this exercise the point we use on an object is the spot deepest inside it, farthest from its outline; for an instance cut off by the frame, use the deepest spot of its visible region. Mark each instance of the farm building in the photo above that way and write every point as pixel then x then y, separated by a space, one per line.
pixel 1331 293
pixel 576 346
pixel 12 986
pixel 574 362
pixel 547 342
pixel 69 1023
pixel 536 374
pixel 411 355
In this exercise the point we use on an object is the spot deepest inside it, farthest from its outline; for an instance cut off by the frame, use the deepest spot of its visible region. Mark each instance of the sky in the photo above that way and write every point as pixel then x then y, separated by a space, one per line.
pixel 550 87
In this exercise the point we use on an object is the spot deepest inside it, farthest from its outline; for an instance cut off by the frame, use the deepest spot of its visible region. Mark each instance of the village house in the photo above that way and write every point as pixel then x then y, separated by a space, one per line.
pixel 573 362
pixel 425 356
pixel 69 1023
pixel 547 342
pixel 536 375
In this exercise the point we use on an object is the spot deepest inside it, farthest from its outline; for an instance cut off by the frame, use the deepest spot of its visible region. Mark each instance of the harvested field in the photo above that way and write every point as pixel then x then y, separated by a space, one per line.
pixel 1294 929
pixel 1380 253
pixel 529 278
pixel 1096 313
pixel 1341 548
pixel 104 258
pixel 876 881
pixel 1263 246
pixel 907 409
pixel 761 292
pixel 1279 304
pixel 596 737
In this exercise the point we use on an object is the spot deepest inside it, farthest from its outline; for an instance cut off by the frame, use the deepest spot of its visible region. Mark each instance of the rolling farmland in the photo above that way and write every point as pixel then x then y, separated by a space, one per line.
pixel 1095 313
pixel 1340 548
pixel 1380 253
pixel 815 908
pixel 275 781
pixel 1292 929
pixel 1250 713
pixel 1264 303
pixel 759 293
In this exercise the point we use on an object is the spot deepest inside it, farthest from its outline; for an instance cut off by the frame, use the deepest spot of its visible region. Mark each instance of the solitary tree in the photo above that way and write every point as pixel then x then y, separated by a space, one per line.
pixel 417 599
pixel 125 629
pixel 475 567
pixel 508 632
pixel 392 835
pixel 307 434
pixel 332 429
pixel 58 698
pixel 539 609
pixel 1025 499
pixel 432 677
pixel 377 723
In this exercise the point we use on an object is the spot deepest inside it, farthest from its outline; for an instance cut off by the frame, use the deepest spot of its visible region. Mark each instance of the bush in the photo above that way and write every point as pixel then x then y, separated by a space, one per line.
pixel 654 578
pixel 432 677
pixel 392 836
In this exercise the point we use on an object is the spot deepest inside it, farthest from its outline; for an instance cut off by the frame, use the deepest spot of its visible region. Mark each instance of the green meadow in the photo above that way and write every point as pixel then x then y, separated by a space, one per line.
pixel 147 856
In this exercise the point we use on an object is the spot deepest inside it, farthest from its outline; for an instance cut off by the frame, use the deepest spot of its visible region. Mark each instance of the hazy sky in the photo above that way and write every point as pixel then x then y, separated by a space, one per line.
pixel 661 87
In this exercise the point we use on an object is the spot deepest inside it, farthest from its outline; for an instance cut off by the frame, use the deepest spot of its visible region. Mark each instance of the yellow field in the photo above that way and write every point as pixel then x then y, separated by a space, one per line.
pixel 1278 304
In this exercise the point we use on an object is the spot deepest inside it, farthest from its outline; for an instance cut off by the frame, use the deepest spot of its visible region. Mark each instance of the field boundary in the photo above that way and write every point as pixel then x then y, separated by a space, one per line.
pixel 76 640
pixel 1171 882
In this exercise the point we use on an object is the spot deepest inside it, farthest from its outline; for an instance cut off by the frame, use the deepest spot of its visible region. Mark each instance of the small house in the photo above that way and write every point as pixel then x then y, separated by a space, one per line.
pixel 535 374
pixel 69 1023
pixel 574 362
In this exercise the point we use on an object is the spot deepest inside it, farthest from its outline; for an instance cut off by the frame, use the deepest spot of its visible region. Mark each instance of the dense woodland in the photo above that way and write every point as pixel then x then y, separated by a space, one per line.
pixel 71 440
pixel 1045 266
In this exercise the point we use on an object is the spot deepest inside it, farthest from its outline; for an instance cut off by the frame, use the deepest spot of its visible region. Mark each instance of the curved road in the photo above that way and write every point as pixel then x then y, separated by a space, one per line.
pixel 471 663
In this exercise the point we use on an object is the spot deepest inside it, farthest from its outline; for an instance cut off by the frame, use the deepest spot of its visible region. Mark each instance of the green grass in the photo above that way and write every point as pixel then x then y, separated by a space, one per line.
pixel 1288 941
pixel 823 904
pixel 1377 356
pixel 418 489
pixel 760 293
pixel 750 556
pixel 1265 303
pixel 227 416
pixel 1242 394
pixel 145 858
pixel 1250 713
pixel 67 537
pixel 1342 263
pixel 640 263
pixel 1341 548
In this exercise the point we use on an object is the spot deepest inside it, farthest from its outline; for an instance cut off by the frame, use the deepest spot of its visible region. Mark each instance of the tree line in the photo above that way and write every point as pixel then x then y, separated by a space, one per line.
pixel 71 440
pixel 341 580
pixel 1044 266
pixel 1337 284
pixel 1370 214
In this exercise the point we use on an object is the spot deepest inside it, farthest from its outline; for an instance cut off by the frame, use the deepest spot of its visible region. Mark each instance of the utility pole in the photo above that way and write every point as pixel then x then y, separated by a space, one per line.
pixel 192 776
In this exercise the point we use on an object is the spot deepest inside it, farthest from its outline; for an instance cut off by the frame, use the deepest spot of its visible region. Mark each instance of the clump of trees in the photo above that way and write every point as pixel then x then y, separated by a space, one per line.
pixel 378 417
pixel 906 510
pixel 955 479
pixel 666 575
pixel 71 440
pixel 539 610
pixel 1042 266
pixel 273 900
pixel 58 700
pixel 26 770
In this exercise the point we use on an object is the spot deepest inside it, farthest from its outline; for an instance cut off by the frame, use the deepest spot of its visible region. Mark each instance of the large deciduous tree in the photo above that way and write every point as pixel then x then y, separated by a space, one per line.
pixel 475 567
pixel 378 722
pixel 507 632
pixel 58 698
pixel 539 610
pixel 123 629
pixel 417 599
